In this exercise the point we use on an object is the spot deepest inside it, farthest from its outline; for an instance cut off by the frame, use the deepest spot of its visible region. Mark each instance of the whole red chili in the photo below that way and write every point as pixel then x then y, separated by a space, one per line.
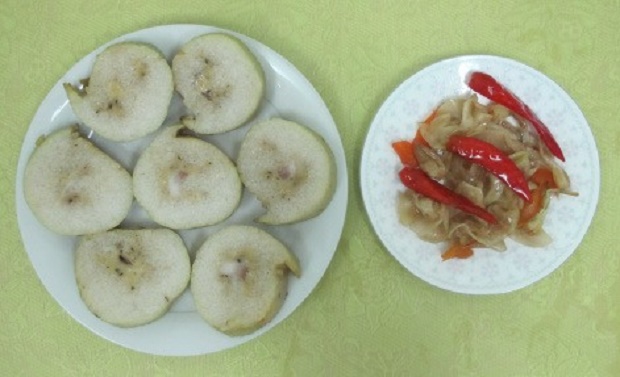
pixel 418 181
pixel 487 86
pixel 493 160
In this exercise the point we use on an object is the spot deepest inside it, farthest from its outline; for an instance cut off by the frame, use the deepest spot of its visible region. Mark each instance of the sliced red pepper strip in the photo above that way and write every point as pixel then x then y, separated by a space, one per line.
pixel 487 86
pixel 532 208
pixel 543 178
pixel 418 181
pixel 404 150
pixel 493 160
pixel 458 251
pixel 419 139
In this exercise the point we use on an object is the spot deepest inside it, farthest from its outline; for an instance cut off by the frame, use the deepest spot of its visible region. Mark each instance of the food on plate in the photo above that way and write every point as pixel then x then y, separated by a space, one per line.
pixel 221 82
pixel 289 168
pixel 131 277
pixel 487 86
pixel 74 188
pixel 479 173
pixel 128 93
pixel 493 160
pixel 240 278
pixel 417 180
pixel 181 178
pixel 185 182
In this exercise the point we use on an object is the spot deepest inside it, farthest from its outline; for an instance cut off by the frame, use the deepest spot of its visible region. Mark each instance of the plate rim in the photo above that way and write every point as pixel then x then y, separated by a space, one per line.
pixel 341 193
pixel 510 287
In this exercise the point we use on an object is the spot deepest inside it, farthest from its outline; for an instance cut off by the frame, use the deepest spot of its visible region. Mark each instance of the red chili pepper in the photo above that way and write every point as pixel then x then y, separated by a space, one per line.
pixel 493 160
pixel 487 86
pixel 418 181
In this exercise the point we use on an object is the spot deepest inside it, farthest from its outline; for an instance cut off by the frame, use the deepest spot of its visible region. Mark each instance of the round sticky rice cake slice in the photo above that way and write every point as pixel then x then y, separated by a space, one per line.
pixel 220 80
pixel 128 93
pixel 289 168
pixel 184 182
pixel 74 188
pixel 131 277
pixel 240 278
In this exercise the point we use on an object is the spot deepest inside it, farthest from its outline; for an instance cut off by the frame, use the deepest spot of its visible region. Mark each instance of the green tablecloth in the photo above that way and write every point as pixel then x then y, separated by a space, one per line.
pixel 368 316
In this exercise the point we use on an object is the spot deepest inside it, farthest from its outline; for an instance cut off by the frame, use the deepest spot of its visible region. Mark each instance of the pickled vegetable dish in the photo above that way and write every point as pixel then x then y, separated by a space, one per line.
pixel 477 173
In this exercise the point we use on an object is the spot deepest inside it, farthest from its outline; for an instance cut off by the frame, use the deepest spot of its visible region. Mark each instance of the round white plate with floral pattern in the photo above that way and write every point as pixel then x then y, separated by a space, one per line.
pixel 181 331
pixel 487 271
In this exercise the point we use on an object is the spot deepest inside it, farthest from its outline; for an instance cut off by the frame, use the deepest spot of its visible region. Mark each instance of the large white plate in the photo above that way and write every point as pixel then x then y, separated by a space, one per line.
pixel 181 331
pixel 487 271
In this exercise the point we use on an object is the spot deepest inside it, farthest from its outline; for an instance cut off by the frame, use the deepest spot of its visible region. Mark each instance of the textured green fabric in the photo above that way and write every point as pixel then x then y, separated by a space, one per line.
pixel 368 316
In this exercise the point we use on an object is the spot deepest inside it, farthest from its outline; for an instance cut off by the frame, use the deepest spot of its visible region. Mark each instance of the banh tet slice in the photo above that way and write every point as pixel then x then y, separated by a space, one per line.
pixel 131 277
pixel 289 168
pixel 73 188
pixel 128 93
pixel 240 278
pixel 184 182
pixel 221 82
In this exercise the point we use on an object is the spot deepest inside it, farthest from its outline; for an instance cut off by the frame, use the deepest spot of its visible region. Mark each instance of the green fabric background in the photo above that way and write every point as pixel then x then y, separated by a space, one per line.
pixel 368 316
